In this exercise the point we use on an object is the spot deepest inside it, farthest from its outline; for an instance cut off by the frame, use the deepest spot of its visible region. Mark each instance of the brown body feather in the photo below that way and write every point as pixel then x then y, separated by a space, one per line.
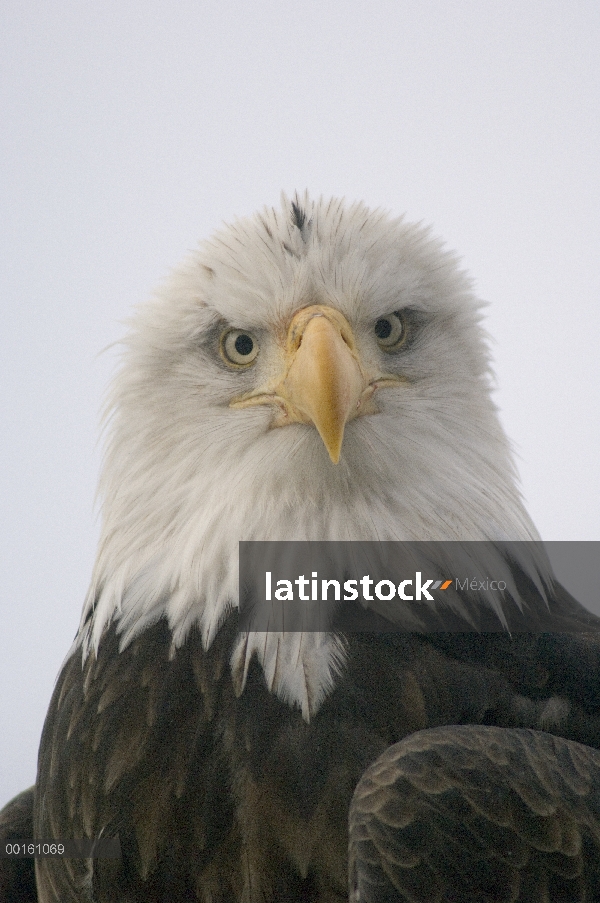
pixel 219 798
pixel 17 876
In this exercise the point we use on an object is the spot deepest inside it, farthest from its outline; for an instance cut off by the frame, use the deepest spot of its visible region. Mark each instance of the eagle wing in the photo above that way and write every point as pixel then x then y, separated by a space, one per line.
pixel 489 813
pixel 127 750
pixel 477 813
pixel 17 877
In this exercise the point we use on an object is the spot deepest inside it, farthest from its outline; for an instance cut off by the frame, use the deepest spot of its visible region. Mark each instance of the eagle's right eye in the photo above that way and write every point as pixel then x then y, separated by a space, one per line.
pixel 238 348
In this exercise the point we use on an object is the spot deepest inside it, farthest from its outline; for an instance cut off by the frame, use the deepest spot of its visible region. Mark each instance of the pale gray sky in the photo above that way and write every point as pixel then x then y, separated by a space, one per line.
pixel 131 129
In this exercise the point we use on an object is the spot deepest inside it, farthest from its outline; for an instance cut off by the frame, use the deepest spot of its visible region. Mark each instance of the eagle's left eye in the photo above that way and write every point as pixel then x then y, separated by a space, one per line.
pixel 390 331
pixel 238 347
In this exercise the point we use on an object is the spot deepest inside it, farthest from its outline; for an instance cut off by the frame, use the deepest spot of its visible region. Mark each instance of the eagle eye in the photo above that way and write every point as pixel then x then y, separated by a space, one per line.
pixel 390 331
pixel 238 348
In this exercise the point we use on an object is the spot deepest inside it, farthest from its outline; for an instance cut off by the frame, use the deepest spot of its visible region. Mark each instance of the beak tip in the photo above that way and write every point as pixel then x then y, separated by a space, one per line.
pixel 334 452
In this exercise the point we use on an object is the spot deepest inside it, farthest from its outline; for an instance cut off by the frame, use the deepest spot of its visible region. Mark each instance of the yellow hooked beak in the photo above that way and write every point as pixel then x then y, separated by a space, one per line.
pixel 323 381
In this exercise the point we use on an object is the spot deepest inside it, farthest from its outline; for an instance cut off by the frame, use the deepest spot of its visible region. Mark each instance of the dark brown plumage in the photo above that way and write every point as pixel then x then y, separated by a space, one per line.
pixel 234 798
pixel 17 876
pixel 478 814
pixel 222 798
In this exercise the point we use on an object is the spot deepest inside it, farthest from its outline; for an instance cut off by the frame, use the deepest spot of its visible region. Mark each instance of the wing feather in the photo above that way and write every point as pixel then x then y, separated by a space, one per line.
pixel 17 876
pixel 128 749
pixel 497 814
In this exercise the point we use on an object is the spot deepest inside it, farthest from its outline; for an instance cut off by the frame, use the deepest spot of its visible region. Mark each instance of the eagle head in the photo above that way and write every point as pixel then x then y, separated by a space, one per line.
pixel 315 372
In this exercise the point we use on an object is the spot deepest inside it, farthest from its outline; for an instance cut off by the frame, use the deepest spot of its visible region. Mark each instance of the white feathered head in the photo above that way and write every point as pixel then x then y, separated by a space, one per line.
pixel 316 372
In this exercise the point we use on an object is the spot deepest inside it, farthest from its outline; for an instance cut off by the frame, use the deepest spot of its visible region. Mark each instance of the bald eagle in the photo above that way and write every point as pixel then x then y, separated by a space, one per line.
pixel 318 372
